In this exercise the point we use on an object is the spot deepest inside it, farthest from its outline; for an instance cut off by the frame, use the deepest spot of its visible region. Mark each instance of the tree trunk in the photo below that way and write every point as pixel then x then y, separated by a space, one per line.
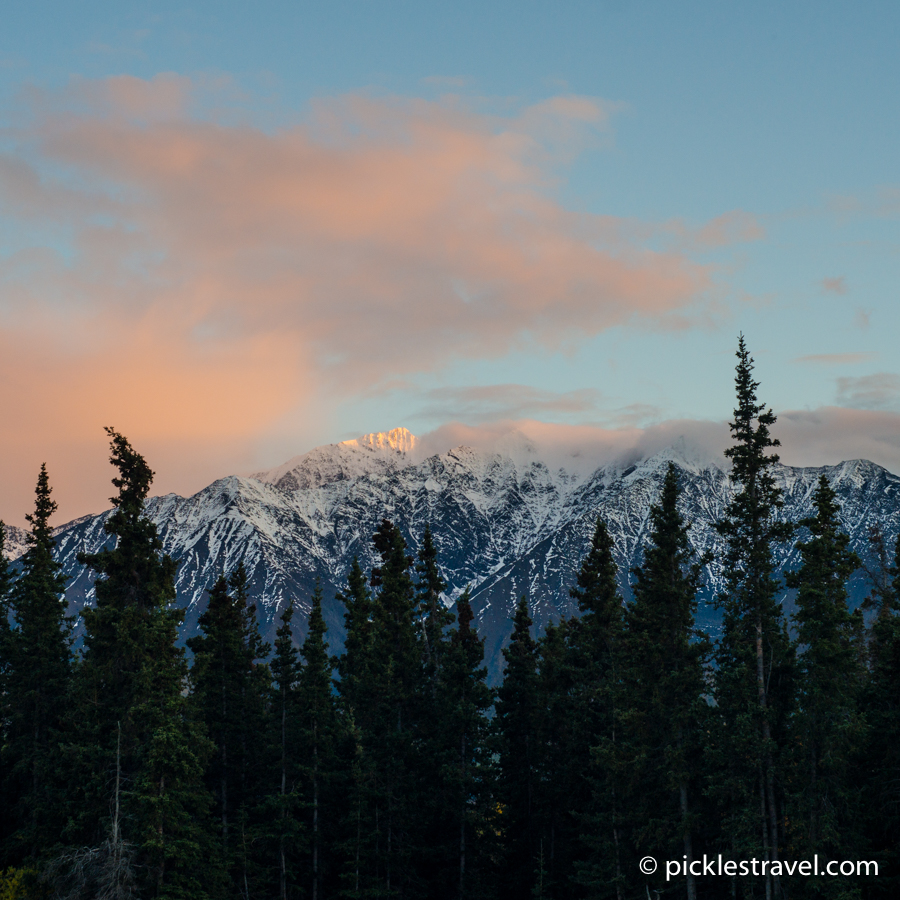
pixel 315 860
pixel 770 821
pixel 462 819
pixel 282 865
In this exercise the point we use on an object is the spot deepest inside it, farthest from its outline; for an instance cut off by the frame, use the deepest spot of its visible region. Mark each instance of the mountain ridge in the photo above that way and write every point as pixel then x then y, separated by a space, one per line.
pixel 504 523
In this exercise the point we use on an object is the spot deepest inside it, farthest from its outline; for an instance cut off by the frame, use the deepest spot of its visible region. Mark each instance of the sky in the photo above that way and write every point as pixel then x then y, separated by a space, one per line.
pixel 234 232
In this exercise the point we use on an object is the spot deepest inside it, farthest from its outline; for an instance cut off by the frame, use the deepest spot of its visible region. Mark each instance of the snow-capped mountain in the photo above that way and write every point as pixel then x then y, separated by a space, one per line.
pixel 504 522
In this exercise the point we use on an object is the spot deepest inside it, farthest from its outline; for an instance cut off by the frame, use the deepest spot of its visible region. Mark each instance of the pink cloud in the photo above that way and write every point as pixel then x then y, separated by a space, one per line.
pixel 832 434
pixel 824 436
pixel 195 281
pixel 735 227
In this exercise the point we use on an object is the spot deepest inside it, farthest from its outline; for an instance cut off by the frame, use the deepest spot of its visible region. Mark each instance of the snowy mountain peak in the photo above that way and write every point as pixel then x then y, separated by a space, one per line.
pixel 399 440
pixel 690 457
pixel 370 454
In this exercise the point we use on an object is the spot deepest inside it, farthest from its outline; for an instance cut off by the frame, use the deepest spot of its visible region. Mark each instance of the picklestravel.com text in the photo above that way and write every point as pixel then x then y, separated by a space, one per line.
pixel 776 868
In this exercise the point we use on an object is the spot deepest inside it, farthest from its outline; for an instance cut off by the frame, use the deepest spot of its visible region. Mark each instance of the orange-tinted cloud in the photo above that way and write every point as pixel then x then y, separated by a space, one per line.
pixel 193 281
pixel 824 436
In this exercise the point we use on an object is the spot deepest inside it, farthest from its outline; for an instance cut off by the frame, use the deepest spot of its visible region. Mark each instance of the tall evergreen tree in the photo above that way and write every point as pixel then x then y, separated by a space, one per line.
pixel 561 783
pixel 390 735
pixel 132 682
pixel 880 782
pixel 5 573
pixel 36 680
pixel 462 844
pixel 594 642
pixel 282 804
pixel 8 789
pixel 320 735
pixel 435 617
pixel 229 689
pixel 827 725
pixel 664 713
pixel 754 655
pixel 354 667
pixel 516 725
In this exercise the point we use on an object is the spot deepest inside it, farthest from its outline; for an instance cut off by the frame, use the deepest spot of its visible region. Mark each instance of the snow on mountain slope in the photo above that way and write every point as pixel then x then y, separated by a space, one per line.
pixel 372 453
pixel 15 544
pixel 504 524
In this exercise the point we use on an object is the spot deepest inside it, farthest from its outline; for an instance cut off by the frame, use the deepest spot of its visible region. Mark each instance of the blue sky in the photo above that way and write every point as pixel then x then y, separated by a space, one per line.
pixel 693 169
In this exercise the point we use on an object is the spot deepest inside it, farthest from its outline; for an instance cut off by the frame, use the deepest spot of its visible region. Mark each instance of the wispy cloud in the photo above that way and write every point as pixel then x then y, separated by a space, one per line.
pixel 193 279
pixel 878 391
pixel 490 403
pixel 824 436
pixel 835 359
pixel 737 226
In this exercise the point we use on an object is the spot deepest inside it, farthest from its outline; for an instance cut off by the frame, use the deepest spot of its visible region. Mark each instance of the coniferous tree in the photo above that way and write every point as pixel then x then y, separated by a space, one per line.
pixel 517 740
pixel 229 690
pixel 594 642
pixel 827 726
pixel 435 617
pixel 753 686
pixel 282 805
pixel 561 784
pixel 36 679
pixel 439 750
pixel 5 573
pixel 664 713
pixel 354 667
pixel 319 737
pixel 132 683
pixel 464 766
pixel 7 788
pixel 391 730
pixel 880 782
pixel 354 663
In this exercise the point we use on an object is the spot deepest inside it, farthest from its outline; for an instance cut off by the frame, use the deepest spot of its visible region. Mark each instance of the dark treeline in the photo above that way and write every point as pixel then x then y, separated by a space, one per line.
pixel 393 770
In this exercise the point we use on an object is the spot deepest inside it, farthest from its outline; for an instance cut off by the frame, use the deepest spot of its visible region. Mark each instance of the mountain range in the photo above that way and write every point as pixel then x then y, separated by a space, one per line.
pixel 505 521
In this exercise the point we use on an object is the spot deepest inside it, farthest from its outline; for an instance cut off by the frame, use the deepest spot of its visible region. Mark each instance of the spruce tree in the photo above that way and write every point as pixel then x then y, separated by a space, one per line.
pixel 132 682
pixel 561 783
pixel 355 662
pixel 880 781
pixel 827 726
pixel 282 804
pixel 517 742
pixel 753 685
pixel 463 764
pixel 36 681
pixel 354 666
pixel 594 647
pixel 230 687
pixel 5 573
pixel 8 790
pixel 391 732
pixel 664 713
pixel 319 735
pixel 435 617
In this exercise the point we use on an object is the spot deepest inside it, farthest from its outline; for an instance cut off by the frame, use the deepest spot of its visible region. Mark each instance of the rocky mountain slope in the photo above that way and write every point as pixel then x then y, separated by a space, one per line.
pixel 504 522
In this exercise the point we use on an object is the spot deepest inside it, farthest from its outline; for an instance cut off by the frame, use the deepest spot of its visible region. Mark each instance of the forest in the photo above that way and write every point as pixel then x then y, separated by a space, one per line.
pixel 133 768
